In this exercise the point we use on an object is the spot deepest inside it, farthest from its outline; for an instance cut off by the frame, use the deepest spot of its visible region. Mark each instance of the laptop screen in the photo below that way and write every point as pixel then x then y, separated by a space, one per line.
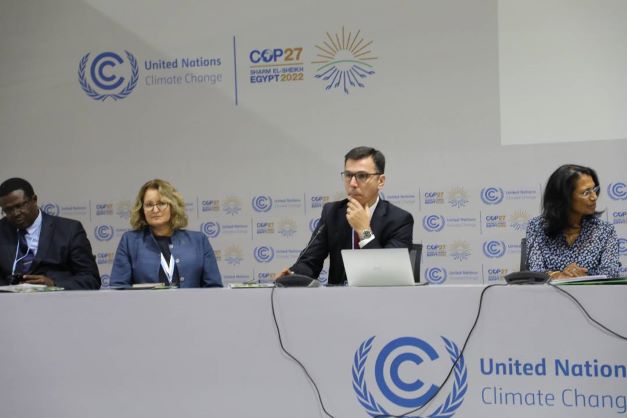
pixel 378 267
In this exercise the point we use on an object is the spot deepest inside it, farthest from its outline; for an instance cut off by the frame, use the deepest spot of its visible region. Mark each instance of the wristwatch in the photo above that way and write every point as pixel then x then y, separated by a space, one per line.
pixel 365 234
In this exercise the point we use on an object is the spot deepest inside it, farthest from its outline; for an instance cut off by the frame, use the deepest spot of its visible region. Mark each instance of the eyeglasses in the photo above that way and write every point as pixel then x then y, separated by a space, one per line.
pixel 20 207
pixel 360 176
pixel 149 207
pixel 588 192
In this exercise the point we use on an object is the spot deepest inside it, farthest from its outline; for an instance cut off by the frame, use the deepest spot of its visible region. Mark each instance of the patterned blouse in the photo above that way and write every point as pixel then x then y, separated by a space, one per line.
pixel 596 248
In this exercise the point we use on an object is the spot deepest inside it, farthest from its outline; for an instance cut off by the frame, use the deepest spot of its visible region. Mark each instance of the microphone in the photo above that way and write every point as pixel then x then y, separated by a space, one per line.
pixel 527 277
pixel 313 238
pixel 301 280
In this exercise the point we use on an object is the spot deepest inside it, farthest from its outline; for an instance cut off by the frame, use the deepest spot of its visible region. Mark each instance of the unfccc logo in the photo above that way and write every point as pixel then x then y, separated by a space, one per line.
pixel 263 254
pixel 617 191
pixel 211 229
pixel 492 195
pixel 435 275
pixel 103 232
pixel 402 392
pixel 107 73
pixel 50 209
pixel 494 249
pixel 433 223
pixel 622 246
pixel 262 203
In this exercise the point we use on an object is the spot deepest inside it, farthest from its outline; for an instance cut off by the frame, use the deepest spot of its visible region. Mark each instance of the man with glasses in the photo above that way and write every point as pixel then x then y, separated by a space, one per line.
pixel 362 220
pixel 38 248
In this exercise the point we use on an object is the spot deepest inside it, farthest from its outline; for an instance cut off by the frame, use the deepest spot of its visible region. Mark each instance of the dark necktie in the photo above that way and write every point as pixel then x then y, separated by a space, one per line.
pixel 25 255
pixel 356 240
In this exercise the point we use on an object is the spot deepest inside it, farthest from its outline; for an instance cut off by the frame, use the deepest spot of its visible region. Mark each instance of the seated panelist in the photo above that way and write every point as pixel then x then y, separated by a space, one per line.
pixel 38 248
pixel 362 220
pixel 569 239
pixel 159 250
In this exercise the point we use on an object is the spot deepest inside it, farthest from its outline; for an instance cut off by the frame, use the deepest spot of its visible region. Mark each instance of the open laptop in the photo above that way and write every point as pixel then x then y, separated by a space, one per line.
pixel 378 267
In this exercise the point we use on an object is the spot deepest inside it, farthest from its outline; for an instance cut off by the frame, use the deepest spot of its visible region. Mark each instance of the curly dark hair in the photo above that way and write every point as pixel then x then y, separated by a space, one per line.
pixel 558 197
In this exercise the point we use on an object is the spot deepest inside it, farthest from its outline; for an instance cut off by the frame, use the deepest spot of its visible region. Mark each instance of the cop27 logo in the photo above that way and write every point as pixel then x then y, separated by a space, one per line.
pixel 262 203
pixel 494 249
pixel 492 195
pixel 104 79
pixel 433 223
pixel 263 254
pixel 211 229
pixel 400 393
pixel 103 232
pixel 617 191
pixel 436 275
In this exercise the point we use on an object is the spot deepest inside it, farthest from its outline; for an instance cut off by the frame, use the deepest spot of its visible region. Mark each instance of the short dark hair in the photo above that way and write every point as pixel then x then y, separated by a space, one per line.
pixel 358 153
pixel 16 183
pixel 558 197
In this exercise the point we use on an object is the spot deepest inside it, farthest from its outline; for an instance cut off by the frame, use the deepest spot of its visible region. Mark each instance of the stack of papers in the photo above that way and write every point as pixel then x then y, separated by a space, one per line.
pixel 28 288
pixel 246 285
pixel 602 279
pixel 152 286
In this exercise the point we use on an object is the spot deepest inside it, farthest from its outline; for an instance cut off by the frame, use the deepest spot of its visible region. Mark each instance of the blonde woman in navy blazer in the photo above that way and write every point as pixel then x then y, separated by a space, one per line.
pixel 158 249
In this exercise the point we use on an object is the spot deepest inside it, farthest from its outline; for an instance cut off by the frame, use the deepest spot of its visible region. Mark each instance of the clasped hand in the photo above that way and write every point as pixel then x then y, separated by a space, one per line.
pixel 571 270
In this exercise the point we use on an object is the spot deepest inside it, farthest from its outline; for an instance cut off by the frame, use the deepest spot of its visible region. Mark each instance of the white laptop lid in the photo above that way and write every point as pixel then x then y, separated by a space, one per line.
pixel 378 267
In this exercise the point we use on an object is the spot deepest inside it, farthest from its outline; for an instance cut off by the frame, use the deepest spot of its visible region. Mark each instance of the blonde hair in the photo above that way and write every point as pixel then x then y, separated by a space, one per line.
pixel 169 195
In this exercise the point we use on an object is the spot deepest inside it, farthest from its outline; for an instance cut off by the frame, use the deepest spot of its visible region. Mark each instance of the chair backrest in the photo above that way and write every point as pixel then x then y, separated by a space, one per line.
pixel 415 254
pixel 524 258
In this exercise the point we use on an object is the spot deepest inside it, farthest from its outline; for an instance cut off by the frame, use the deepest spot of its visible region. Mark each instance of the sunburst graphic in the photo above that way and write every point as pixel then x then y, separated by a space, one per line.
pixel 344 60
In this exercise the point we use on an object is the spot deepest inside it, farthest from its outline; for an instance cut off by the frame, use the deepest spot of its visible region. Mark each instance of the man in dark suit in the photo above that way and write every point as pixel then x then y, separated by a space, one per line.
pixel 37 248
pixel 362 220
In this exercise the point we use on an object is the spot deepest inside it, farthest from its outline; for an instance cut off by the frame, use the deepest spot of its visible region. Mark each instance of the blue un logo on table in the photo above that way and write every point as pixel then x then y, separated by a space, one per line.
pixel 404 394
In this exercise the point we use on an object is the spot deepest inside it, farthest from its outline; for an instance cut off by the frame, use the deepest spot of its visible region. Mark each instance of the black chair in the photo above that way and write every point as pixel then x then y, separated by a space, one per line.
pixel 415 254
pixel 524 257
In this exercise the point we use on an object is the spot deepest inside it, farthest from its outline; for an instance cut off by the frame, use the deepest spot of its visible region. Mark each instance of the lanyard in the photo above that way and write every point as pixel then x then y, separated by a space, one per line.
pixel 168 268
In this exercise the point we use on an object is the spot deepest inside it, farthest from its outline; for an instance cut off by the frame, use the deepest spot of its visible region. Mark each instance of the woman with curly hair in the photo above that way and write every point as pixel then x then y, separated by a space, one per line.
pixel 158 249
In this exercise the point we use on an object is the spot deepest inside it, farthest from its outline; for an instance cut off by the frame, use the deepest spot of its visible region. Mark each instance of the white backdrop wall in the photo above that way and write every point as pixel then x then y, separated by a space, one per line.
pixel 255 160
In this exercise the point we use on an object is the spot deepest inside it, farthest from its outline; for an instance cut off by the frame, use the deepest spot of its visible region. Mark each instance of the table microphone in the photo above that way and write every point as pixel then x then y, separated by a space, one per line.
pixel 301 280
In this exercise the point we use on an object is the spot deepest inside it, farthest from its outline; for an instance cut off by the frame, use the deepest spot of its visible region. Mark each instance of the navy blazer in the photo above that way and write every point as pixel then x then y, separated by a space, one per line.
pixel 64 253
pixel 138 259
pixel 392 227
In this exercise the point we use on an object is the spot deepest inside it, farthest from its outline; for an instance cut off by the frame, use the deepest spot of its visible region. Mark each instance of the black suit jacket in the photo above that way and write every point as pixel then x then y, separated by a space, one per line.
pixel 64 253
pixel 392 227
